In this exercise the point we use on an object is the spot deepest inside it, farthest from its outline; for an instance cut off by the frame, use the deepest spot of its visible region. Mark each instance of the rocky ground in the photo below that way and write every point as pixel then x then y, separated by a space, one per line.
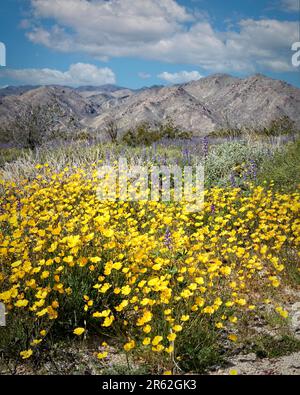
pixel 80 358
pixel 251 365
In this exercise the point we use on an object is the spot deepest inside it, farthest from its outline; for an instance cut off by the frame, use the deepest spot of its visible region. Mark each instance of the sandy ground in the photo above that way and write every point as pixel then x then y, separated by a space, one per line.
pixel 82 360
pixel 287 365
pixel 250 365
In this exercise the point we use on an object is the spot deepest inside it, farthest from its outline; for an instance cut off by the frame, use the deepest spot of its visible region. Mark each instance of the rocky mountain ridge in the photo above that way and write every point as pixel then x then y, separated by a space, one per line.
pixel 216 102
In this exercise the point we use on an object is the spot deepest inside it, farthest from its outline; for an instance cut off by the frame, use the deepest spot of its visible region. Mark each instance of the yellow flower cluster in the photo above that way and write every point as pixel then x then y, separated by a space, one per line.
pixel 59 243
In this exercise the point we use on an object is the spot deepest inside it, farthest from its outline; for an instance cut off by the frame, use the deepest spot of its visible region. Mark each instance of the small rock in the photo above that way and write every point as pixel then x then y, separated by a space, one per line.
pixel 246 358
pixel 295 318
pixel 295 365
pixel 296 307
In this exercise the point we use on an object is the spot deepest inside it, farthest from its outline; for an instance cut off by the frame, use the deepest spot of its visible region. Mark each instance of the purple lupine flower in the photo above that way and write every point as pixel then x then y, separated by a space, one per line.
pixel 19 205
pixel 168 239
pixel 205 146
pixel 232 180
pixel 186 155
pixel 253 169
pixel 213 208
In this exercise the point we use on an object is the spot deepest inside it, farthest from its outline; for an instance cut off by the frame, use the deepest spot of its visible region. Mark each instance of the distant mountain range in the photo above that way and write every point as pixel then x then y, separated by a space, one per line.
pixel 216 102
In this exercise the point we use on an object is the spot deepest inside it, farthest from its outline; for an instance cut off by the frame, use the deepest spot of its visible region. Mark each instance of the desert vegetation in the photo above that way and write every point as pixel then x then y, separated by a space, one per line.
pixel 165 289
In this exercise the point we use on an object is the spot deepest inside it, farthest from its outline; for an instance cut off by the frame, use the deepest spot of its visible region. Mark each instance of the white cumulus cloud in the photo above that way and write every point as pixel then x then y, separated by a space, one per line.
pixel 78 74
pixel 162 30
pixel 180 77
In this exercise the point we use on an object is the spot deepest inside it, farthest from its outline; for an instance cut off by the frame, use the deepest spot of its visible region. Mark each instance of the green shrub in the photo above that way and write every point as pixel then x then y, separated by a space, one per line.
pixel 231 160
pixel 278 127
pixel 200 349
pixel 269 347
pixel 283 167
pixel 226 133
pixel 146 135
pixel 141 135
pixel 10 154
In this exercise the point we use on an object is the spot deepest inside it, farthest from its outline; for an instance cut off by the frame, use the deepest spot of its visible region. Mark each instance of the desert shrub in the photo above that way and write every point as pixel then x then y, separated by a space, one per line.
pixel 233 163
pixel 230 163
pixel 5 134
pixel 10 154
pixel 267 346
pixel 141 135
pixel 203 349
pixel 145 134
pixel 34 125
pixel 283 168
pixel 226 133
pixel 112 130
pixel 278 127
pixel 168 130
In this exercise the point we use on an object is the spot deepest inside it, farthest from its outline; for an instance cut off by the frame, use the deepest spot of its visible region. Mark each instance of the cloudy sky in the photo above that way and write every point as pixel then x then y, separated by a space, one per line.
pixel 137 43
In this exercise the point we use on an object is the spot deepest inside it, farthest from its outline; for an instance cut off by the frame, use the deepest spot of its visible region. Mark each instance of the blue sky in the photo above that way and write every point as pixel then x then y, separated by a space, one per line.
pixel 146 42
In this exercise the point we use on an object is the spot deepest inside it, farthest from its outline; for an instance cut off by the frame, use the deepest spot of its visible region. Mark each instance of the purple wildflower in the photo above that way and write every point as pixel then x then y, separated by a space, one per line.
pixel 19 205
pixel 232 180
pixel 168 239
pixel 205 146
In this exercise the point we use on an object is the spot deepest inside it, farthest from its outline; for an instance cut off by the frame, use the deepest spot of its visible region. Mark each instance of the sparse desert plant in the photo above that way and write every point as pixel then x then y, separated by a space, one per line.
pixel 112 130
pixel 226 133
pixel 283 168
pixel 5 133
pixel 36 124
pixel 279 126
pixel 229 163
pixel 143 134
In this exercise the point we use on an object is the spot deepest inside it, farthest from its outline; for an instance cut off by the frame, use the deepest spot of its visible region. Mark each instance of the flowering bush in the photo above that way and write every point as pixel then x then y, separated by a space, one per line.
pixel 149 274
